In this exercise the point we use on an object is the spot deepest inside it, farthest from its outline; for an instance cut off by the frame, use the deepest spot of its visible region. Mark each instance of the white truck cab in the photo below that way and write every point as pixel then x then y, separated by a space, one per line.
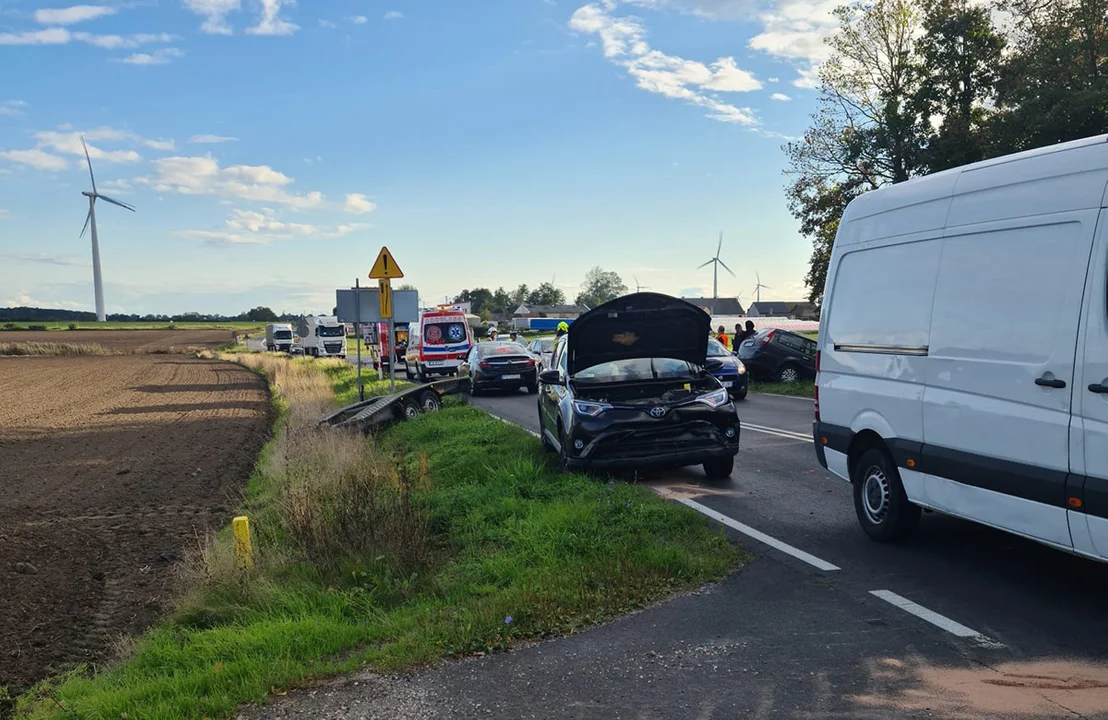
pixel 963 349
pixel 278 337
pixel 323 336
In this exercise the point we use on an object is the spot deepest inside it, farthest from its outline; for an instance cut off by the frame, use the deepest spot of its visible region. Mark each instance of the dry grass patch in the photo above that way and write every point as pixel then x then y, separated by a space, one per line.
pixel 52 349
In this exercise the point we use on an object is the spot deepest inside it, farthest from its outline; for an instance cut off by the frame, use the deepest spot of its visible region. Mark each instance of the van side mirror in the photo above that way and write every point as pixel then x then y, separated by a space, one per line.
pixel 551 377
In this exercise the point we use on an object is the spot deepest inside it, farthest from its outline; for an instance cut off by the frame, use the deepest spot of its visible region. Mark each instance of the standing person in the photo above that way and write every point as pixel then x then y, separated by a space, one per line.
pixel 745 334
pixel 563 328
pixel 492 334
pixel 721 335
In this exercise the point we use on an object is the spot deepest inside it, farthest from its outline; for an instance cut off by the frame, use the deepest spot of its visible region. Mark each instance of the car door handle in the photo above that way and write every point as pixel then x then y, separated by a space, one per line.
pixel 1052 383
pixel 1098 388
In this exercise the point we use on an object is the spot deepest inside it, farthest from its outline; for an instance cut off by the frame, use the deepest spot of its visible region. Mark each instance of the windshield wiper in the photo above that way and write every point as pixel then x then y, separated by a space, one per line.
pixel 652 370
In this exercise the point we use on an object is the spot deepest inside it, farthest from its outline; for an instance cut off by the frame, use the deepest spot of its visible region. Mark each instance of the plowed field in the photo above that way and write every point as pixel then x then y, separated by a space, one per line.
pixel 137 341
pixel 109 467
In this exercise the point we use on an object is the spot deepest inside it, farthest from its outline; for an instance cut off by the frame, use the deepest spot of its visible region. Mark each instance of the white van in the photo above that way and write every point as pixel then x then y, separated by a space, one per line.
pixel 963 349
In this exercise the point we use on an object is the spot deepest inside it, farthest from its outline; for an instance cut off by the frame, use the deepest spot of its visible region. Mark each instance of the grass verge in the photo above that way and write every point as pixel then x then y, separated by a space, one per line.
pixel 803 388
pixel 442 536
pixel 54 349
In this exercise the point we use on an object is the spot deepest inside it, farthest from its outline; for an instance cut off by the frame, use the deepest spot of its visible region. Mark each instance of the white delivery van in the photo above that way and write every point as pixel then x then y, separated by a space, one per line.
pixel 963 349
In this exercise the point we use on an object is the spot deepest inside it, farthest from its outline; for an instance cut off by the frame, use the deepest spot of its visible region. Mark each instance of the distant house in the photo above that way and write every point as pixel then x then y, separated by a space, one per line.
pixel 777 309
pixel 803 311
pixel 718 306
pixel 549 311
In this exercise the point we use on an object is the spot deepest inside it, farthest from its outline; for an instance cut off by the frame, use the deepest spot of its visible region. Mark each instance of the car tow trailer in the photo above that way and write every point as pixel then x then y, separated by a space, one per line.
pixel 404 405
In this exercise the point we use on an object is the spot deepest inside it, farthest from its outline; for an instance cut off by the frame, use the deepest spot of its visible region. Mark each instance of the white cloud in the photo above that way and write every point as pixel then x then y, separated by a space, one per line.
pixel 44 259
pixel 780 97
pixel 211 139
pixel 359 19
pixel 48 36
pixel 327 24
pixel 215 13
pixel 623 40
pixel 253 227
pixel 72 15
pixel 266 221
pixel 394 15
pixel 358 204
pixel 163 56
pixel 11 108
pixel 220 237
pixel 270 22
pixel 796 30
pixel 70 143
pixel 160 144
pixel 61 36
pixel 204 176
pixel 35 158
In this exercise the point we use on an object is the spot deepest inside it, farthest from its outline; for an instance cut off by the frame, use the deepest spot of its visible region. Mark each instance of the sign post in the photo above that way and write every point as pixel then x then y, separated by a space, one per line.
pixel 383 271
pixel 358 341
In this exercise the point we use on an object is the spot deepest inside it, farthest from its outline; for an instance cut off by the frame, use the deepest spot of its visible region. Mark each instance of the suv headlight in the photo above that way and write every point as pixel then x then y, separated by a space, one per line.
pixel 591 409
pixel 740 366
pixel 715 398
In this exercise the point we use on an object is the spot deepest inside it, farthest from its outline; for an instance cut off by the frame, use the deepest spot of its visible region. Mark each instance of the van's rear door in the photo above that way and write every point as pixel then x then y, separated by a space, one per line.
pixel 1089 523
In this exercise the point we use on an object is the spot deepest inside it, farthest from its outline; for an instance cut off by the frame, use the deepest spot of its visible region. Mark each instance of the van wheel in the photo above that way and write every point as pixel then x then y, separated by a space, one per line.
pixel 719 468
pixel 883 508
pixel 547 446
pixel 788 374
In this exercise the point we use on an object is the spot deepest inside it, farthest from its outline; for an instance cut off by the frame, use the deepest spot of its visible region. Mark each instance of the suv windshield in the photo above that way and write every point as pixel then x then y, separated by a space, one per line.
pixel 716 349
pixel 332 332
pixel 637 369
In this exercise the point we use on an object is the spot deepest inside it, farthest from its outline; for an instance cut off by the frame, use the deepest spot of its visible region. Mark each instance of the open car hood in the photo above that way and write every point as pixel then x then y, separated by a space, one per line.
pixel 642 325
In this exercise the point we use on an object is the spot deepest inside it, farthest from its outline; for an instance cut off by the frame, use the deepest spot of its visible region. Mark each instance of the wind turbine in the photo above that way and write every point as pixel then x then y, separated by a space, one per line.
pixel 97 281
pixel 758 288
pixel 639 288
pixel 715 270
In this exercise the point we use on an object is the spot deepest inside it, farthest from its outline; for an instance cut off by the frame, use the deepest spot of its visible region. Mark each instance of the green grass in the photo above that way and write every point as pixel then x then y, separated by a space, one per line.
pixel 803 388
pixel 509 549
pixel 344 381
pixel 54 326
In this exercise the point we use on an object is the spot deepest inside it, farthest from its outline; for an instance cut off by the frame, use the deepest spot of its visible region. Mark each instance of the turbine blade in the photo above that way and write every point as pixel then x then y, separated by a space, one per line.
pixel 726 268
pixel 720 246
pixel 85 228
pixel 706 264
pixel 105 198
pixel 91 176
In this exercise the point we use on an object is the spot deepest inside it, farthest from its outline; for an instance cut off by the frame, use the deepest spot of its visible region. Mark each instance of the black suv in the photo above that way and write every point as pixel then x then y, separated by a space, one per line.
pixel 779 355
pixel 631 387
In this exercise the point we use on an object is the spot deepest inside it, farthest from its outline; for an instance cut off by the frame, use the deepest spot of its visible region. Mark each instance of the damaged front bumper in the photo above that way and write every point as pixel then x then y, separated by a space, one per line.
pixel 672 445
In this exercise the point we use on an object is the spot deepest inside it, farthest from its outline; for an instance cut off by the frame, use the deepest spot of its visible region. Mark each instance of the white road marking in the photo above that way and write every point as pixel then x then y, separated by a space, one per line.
pixel 940 621
pixel 775 431
pixel 509 422
pixel 783 397
pixel 755 534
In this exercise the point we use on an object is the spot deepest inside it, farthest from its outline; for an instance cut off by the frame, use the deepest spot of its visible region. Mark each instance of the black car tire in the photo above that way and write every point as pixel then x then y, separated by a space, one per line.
pixel 719 468
pixel 474 391
pixel 563 454
pixel 421 374
pixel 788 374
pixel 741 394
pixel 882 506
pixel 408 373
pixel 533 388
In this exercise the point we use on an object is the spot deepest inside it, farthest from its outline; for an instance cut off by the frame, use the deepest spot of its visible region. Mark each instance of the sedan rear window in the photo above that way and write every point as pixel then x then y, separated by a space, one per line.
pixel 499 348
pixel 637 369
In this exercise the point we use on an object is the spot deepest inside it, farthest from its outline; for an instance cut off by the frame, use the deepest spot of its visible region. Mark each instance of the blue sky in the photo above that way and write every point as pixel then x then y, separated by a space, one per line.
pixel 272 147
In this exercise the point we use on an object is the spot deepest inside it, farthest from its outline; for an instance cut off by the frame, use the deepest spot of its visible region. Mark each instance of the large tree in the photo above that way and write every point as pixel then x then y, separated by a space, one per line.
pixel 546 294
pixel 1054 85
pixel 261 314
pixel 865 132
pixel 960 55
pixel 599 287
pixel 479 299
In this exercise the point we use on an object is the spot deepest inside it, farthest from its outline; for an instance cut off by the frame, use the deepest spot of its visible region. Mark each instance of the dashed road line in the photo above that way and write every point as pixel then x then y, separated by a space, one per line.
pixel 940 621
pixel 758 535
pixel 789 434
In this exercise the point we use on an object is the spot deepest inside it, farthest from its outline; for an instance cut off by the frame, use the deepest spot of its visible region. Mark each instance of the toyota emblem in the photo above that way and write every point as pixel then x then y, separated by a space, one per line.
pixel 657 412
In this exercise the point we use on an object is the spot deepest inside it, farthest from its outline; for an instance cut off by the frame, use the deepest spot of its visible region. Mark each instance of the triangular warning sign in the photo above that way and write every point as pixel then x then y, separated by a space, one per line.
pixel 385 268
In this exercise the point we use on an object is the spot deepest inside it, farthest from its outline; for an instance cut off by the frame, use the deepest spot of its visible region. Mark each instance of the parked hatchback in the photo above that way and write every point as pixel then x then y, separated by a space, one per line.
pixel 779 355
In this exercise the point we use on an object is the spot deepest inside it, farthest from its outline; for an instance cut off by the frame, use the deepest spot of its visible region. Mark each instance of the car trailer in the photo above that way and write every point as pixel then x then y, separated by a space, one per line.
pixel 403 405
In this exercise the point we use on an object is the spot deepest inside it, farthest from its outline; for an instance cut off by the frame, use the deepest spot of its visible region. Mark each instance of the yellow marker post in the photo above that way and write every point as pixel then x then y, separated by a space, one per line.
pixel 244 553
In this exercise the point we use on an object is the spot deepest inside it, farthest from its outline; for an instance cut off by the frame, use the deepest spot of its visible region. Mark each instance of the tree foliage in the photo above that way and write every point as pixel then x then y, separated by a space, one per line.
pixel 599 287
pixel 546 294
pixel 916 86
pixel 261 314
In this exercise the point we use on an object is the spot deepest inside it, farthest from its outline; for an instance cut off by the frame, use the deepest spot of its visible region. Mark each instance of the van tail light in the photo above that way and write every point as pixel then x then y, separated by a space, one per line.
pixel 816 395
pixel 818 354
